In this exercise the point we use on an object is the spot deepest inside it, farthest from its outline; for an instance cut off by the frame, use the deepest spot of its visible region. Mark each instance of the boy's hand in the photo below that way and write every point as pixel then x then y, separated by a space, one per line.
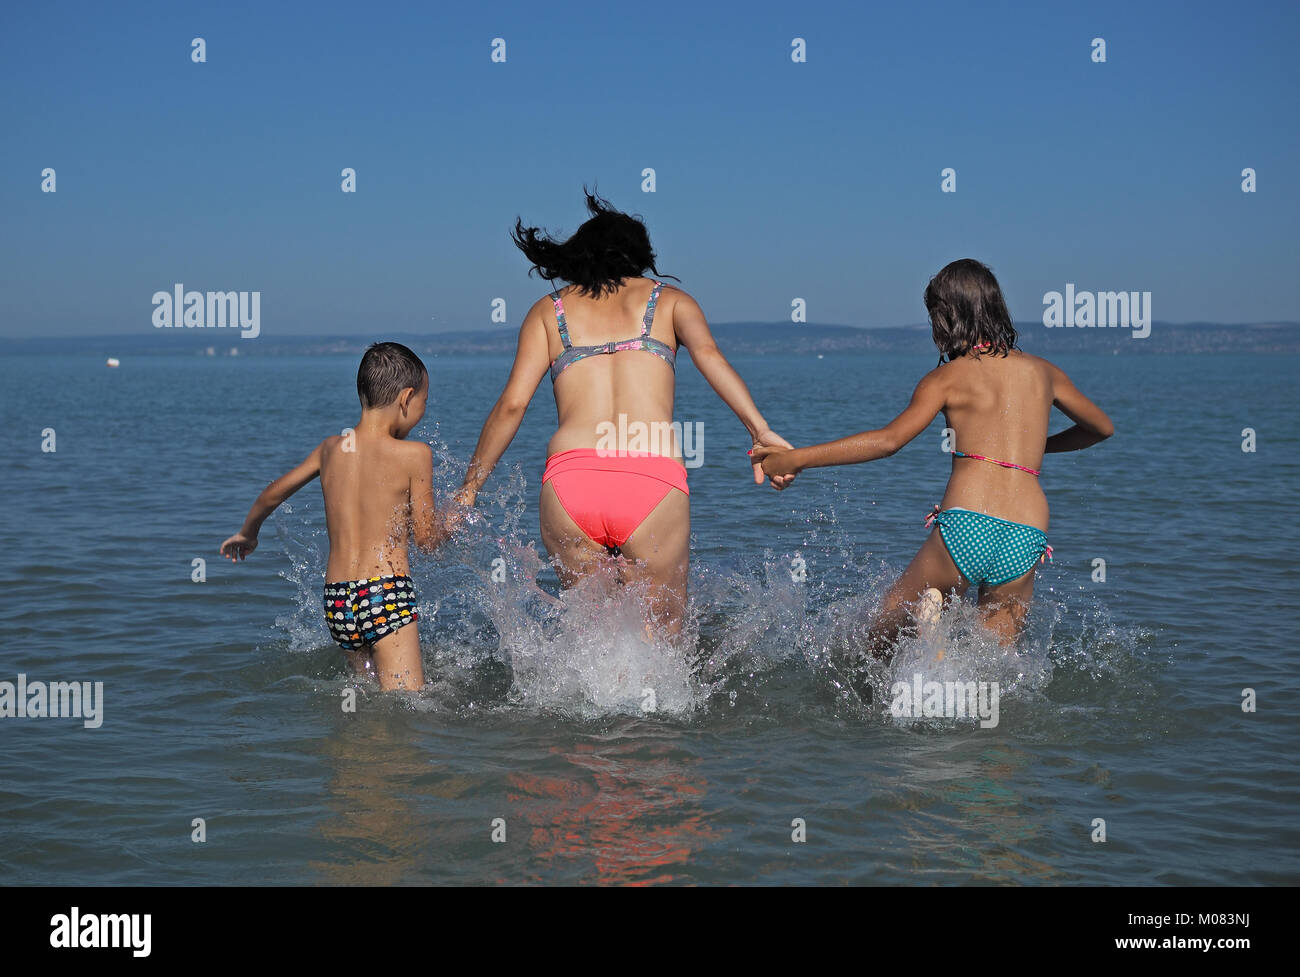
pixel 238 546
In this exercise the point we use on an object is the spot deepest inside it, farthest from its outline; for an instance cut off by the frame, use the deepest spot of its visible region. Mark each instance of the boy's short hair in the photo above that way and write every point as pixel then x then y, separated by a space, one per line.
pixel 386 370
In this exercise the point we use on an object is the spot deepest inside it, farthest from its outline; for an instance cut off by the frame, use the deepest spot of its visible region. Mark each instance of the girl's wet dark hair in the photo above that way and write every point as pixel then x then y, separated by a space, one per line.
pixel 967 310
pixel 608 248
pixel 386 370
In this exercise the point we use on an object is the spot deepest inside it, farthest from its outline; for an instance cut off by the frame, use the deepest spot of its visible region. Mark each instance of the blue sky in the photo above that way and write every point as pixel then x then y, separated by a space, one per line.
pixel 774 179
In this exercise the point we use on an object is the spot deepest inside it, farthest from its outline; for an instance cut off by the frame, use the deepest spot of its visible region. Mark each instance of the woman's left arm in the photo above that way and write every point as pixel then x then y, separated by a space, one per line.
pixel 693 332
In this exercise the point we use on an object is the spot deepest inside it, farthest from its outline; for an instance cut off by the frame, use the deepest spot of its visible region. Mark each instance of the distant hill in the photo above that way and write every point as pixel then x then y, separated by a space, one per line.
pixel 735 337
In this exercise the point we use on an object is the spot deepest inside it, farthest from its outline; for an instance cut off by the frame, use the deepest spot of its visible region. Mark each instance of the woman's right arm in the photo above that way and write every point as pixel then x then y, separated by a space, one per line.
pixel 532 360
pixel 1091 424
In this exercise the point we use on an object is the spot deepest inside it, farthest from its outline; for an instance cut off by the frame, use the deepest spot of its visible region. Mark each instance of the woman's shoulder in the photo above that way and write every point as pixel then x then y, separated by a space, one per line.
pixel 670 294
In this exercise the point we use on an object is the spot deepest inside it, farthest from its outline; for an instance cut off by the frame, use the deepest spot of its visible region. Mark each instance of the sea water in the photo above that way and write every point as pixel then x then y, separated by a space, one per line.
pixel 559 742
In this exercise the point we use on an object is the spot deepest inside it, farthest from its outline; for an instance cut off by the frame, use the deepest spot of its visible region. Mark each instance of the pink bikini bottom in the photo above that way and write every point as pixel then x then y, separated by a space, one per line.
pixel 609 494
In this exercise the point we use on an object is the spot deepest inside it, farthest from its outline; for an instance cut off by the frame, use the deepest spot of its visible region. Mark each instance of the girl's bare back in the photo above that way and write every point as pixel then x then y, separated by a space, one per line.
pixel 998 407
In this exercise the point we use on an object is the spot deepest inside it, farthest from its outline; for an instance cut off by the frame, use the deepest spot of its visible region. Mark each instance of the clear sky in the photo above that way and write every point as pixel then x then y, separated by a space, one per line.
pixel 775 179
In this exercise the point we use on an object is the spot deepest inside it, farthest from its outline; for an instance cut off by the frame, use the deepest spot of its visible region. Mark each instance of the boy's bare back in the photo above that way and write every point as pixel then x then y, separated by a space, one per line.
pixel 368 481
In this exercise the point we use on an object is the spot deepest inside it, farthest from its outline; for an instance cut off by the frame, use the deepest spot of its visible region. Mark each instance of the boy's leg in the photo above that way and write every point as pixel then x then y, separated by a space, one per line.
pixel 1003 608
pixel 360 660
pixel 397 659
pixel 931 568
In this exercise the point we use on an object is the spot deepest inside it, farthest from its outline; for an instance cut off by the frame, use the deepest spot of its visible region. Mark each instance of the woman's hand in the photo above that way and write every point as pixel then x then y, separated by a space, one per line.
pixel 461 510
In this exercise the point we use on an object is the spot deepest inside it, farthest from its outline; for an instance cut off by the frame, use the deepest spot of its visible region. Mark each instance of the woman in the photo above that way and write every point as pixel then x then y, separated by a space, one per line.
pixel 609 340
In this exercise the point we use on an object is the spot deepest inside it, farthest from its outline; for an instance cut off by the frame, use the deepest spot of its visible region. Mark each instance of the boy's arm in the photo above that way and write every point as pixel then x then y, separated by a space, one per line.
pixel 1091 424
pixel 927 400
pixel 425 527
pixel 531 362
pixel 238 546
pixel 692 331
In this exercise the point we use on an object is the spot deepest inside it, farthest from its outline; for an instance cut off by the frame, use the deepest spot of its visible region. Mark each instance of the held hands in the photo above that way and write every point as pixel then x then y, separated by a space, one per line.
pixel 238 546
pixel 769 444
pixel 776 463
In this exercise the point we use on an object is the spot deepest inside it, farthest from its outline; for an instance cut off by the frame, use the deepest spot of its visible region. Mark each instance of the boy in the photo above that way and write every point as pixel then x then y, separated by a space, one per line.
pixel 378 490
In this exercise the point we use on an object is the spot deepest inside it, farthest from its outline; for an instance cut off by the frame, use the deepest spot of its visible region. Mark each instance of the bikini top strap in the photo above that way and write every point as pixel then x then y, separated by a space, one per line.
pixel 649 317
pixel 559 320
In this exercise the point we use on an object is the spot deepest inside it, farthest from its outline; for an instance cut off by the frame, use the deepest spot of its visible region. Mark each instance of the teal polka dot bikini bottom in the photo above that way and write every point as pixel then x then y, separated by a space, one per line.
pixel 989 551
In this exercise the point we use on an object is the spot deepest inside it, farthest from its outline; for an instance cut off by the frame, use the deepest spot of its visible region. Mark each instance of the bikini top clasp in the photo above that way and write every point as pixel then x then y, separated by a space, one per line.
pixel 572 354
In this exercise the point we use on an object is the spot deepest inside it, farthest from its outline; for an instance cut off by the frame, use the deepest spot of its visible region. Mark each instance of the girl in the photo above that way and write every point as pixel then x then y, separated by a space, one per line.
pixel 997 400
pixel 609 341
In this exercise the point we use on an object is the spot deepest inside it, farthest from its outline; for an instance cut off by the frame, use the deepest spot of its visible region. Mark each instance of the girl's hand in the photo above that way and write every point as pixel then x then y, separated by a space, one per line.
pixel 768 441
pixel 776 463
pixel 238 546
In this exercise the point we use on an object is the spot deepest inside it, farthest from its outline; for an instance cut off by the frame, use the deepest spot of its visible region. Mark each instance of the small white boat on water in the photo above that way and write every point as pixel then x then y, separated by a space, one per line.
pixel 114 361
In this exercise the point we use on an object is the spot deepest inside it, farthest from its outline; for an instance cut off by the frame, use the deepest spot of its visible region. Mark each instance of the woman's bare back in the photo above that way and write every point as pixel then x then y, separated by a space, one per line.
pixel 596 390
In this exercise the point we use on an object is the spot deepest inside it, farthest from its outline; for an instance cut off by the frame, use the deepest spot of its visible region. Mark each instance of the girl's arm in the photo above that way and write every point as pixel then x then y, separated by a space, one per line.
pixel 927 400
pixel 531 364
pixel 692 331
pixel 238 546
pixel 1091 424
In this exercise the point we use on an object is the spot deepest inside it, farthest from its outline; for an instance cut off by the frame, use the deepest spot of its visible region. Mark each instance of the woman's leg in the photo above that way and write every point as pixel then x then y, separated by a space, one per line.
pixel 659 554
pixel 574 554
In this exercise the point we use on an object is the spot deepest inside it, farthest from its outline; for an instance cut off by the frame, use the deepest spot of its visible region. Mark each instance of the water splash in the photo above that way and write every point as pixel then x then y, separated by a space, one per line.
pixel 499 633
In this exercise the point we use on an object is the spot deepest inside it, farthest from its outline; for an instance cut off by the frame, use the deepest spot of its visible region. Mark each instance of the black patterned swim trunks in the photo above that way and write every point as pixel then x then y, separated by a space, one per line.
pixel 360 612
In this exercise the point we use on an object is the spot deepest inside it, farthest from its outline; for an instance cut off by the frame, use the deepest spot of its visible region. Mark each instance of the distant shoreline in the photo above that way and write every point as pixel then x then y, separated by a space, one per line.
pixel 737 338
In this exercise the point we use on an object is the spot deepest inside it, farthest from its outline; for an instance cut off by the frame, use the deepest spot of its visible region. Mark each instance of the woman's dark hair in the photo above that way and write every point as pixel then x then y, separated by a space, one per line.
pixel 967 310
pixel 608 248
pixel 386 370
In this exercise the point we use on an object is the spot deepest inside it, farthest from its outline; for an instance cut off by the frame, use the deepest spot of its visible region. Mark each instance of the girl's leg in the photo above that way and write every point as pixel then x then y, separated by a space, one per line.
pixel 1003 608
pixel 932 567
pixel 397 659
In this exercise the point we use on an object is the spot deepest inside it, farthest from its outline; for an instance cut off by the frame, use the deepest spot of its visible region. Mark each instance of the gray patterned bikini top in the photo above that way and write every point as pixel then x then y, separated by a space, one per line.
pixel 645 341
